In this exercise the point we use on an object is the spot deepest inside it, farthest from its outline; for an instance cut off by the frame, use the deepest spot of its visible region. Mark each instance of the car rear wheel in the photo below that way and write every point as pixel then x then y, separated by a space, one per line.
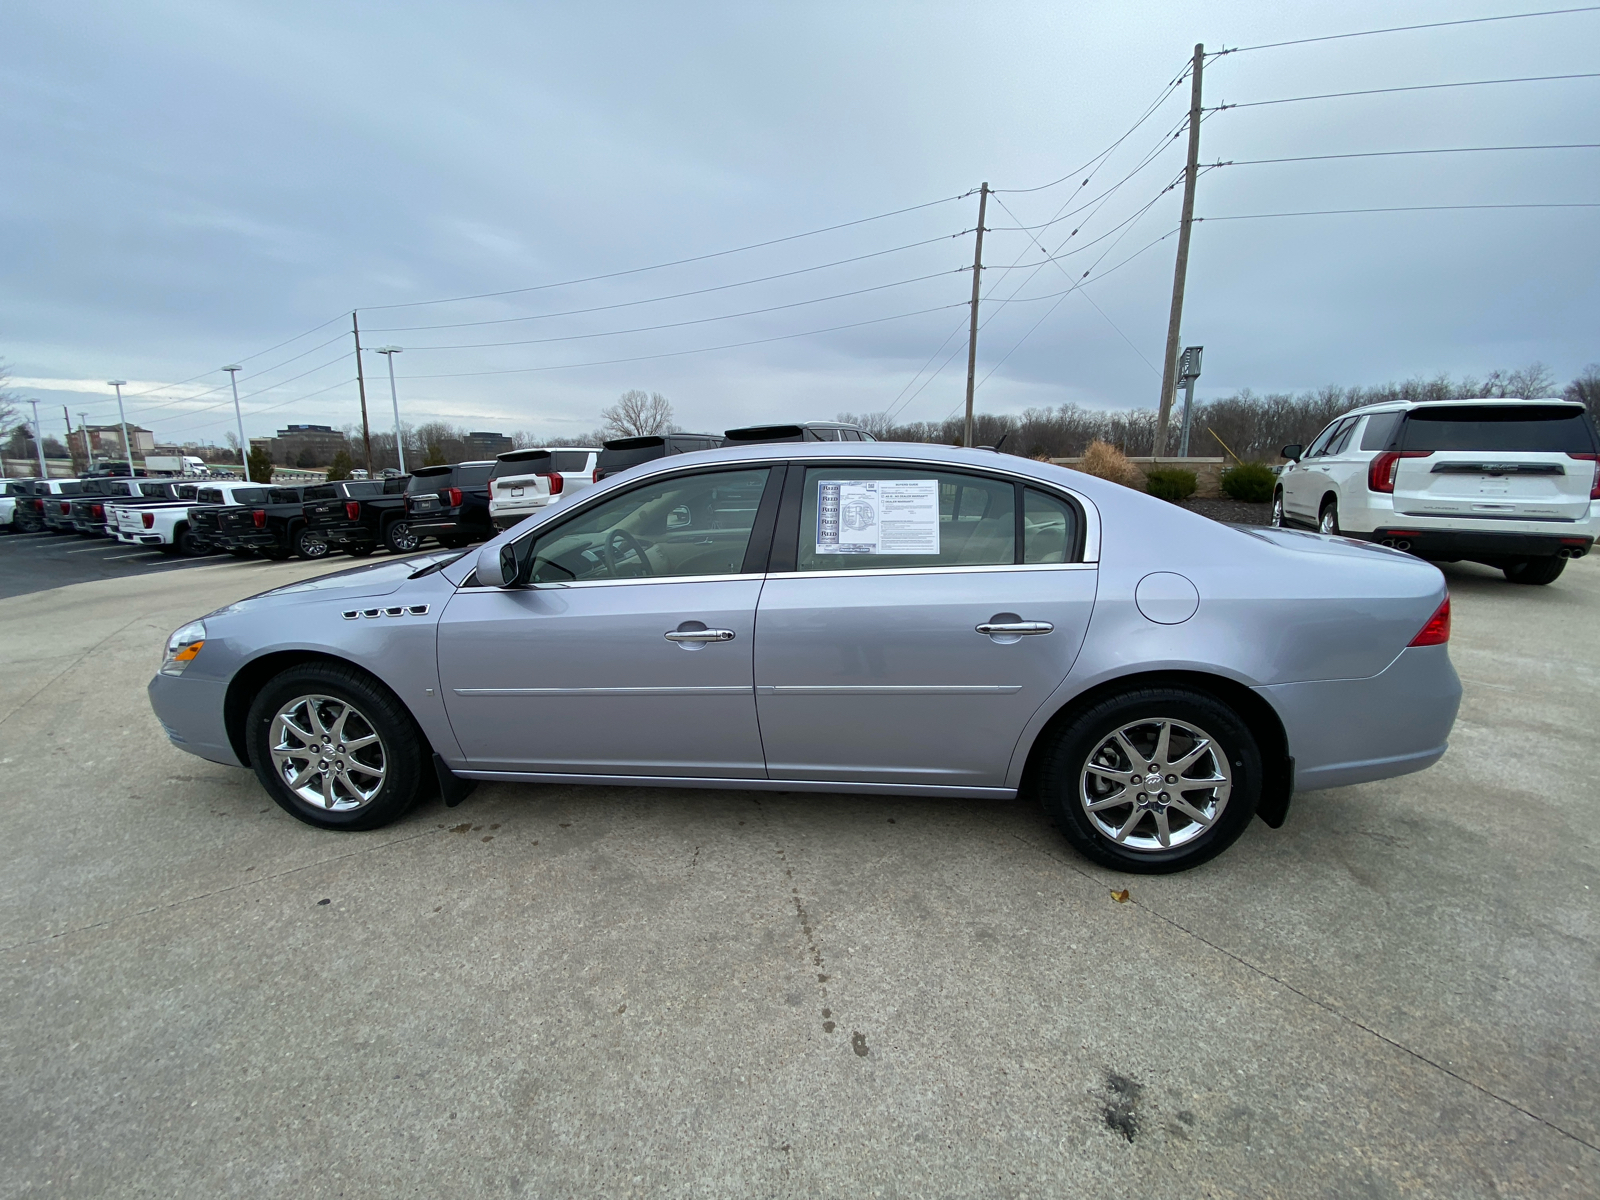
pixel 397 536
pixel 1535 570
pixel 1277 508
pixel 186 544
pixel 1152 781
pixel 1328 519
pixel 309 545
pixel 335 748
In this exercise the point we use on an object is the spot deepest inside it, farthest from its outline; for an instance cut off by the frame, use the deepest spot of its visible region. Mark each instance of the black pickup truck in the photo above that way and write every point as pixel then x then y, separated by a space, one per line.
pixel 276 528
pixel 91 509
pixel 210 503
pixel 362 515
pixel 451 503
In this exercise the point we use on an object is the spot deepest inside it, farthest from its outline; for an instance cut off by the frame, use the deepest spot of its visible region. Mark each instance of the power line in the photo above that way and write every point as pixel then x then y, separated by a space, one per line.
pixel 675 263
pixel 271 407
pixel 1333 37
pixel 1256 162
pixel 264 371
pixel 699 350
pixel 1417 87
pixel 721 287
pixel 164 386
pixel 1331 212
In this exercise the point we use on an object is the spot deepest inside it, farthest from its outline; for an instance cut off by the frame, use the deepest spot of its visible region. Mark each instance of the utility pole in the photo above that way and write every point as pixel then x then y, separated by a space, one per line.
pixel 361 382
pixel 972 332
pixel 1170 362
pixel 244 446
pixel 38 440
pixel 127 444
pixel 394 398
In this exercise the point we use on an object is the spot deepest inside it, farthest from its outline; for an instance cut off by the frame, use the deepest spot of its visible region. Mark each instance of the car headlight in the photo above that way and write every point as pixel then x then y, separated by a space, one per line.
pixel 182 646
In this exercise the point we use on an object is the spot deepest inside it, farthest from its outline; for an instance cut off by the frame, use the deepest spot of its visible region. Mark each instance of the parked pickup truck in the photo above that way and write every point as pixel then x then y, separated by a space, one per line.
pixel 362 515
pixel 451 503
pixel 29 514
pixel 95 512
pixel 166 526
pixel 202 517
pixel 53 500
pixel 276 528
pixel 524 481
pixel 10 491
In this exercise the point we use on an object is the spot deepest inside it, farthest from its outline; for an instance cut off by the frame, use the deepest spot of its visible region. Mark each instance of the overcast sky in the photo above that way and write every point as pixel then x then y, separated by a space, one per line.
pixel 191 184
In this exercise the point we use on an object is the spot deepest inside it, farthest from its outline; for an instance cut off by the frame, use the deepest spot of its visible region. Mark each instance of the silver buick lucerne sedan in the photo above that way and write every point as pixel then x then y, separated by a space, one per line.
pixel 876 617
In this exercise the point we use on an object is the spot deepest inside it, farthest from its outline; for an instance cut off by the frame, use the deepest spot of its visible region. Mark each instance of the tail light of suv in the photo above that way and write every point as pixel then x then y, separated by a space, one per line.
pixel 259 516
pixel 453 497
pixel 1381 470
pixel 556 482
pixel 97 511
pixel 352 509
pixel 1437 631
pixel 66 508
pixel 149 519
pixel 1594 484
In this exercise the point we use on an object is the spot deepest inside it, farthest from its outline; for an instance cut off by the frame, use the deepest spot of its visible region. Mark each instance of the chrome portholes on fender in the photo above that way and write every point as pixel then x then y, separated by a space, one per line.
pixel 398 610
pixel 327 753
pixel 1155 784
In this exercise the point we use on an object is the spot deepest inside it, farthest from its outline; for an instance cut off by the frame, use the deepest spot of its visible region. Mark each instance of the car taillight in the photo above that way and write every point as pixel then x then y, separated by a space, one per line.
pixel 556 482
pixel 1381 470
pixel 1594 484
pixel 594 476
pixel 260 518
pixel 1437 631
pixel 352 509
pixel 66 508
pixel 453 497
pixel 98 511
pixel 149 520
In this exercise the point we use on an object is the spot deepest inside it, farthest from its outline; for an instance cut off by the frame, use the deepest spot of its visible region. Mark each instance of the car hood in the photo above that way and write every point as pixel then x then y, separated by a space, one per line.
pixel 379 579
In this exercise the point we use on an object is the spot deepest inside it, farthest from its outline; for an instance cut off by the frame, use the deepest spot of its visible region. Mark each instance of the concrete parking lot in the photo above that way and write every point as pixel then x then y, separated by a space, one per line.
pixel 564 991
pixel 35 562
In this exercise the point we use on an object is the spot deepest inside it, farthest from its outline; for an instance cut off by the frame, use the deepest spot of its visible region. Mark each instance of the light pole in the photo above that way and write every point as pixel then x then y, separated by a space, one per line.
pixel 127 442
pixel 244 447
pixel 1188 372
pixel 83 432
pixel 38 440
pixel 389 352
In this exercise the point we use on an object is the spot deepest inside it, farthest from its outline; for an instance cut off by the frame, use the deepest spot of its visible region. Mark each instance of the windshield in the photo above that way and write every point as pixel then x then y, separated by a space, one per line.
pixel 1504 428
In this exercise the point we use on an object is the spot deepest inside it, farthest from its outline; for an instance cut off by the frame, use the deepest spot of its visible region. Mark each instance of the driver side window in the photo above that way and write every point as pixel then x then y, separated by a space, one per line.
pixel 687 525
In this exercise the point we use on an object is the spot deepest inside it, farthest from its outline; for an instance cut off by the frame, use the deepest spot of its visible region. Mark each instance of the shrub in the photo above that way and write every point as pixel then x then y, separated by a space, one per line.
pixel 259 467
pixel 1107 462
pixel 340 467
pixel 1169 483
pixel 1251 482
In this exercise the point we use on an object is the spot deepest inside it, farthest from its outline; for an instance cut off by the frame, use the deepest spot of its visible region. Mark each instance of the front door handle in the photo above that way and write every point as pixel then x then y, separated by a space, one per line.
pixel 1018 628
pixel 699 635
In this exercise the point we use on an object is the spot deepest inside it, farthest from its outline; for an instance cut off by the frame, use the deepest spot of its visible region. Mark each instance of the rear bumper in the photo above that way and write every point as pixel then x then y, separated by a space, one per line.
pixel 255 540
pixel 339 535
pixel 1344 731
pixel 1451 545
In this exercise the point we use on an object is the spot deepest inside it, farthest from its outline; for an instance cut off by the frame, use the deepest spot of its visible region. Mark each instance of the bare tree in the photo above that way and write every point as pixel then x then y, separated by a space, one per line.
pixel 1585 389
pixel 638 414
pixel 10 404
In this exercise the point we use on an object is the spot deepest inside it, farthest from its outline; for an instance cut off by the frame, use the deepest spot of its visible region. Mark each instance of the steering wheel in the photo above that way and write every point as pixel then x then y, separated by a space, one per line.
pixel 618 542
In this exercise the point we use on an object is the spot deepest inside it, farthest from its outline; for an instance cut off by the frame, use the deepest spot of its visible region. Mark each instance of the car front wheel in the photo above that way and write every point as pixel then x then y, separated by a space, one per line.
pixel 397 536
pixel 335 748
pixel 1328 519
pixel 1277 508
pixel 1152 781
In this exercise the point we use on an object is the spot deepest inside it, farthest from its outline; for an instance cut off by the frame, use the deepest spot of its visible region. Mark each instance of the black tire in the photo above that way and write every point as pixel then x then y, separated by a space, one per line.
pixel 399 539
pixel 1535 570
pixel 1064 762
pixel 186 544
pixel 359 549
pixel 1277 508
pixel 404 749
pixel 308 545
pixel 1328 518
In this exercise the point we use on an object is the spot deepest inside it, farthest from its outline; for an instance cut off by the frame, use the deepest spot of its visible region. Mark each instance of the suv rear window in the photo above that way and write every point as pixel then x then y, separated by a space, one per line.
pixel 569 460
pixel 472 474
pixel 1499 427
pixel 521 462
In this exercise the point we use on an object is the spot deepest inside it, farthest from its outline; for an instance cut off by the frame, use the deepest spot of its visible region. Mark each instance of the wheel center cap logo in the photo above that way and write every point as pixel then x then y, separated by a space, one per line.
pixel 1152 780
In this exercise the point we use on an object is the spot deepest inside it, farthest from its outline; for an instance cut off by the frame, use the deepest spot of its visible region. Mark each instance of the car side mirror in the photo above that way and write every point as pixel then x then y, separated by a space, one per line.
pixel 1293 451
pixel 497 566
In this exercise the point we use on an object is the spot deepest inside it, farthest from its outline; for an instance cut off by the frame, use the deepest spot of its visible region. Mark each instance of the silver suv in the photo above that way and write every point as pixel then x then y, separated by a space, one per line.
pixel 1512 484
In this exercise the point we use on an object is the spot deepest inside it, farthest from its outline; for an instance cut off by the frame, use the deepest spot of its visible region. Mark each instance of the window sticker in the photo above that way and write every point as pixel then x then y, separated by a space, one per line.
pixel 878 516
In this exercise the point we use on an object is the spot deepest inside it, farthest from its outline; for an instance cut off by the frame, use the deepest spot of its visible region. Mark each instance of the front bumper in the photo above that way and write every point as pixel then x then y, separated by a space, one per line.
pixel 1452 545
pixel 190 711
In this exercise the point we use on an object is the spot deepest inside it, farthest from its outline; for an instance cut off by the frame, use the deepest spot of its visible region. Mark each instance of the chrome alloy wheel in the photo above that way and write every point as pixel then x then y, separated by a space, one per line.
pixel 1155 784
pixel 1277 509
pixel 327 753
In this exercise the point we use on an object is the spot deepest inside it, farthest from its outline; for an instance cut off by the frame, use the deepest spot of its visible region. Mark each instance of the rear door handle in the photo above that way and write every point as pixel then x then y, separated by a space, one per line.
pixel 699 635
pixel 1022 628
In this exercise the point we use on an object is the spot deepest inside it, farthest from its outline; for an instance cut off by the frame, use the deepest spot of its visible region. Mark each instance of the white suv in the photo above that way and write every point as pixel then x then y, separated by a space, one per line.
pixel 524 481
pixel 1513 484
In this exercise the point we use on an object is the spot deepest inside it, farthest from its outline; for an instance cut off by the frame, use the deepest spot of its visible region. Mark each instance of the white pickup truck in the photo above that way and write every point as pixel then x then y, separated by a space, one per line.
pixel 524 481
pixel 166 527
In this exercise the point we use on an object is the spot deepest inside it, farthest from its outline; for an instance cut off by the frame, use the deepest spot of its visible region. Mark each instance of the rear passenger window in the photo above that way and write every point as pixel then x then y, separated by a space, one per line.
pixel 1049 528
pixel 1380 429
pixel 869 518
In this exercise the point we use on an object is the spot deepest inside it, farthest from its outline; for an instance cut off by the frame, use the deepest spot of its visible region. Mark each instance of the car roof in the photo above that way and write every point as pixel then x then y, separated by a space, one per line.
pixel 1412 405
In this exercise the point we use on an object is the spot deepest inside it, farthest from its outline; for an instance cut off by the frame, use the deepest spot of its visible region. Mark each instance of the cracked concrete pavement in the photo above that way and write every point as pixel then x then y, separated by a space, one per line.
pixel 556 990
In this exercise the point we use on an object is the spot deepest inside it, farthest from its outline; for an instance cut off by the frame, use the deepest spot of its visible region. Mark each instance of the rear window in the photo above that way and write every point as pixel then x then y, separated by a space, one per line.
pixel 568 460
pixel 72 488
pixel 473 474
pixel 356 491
pixel 285 495
pixel 1499 427
pixel 325 491
pixel 430 480
pixel 395 485
pixel 250 496
pixel 209 496
pixel 527 462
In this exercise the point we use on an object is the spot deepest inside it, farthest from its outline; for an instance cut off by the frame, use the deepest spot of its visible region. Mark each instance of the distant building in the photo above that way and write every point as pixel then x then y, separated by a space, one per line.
pixel 105 442
pixel 309 445
pixel 482 445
